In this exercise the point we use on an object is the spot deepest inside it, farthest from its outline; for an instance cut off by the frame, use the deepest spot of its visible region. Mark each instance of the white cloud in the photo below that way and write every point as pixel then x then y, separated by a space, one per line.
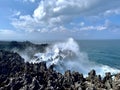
pixel 56 8
pixel 39 12
pixel 112 11
pixel 29 1
pixel 99 28
pixel 54 13
pixel 108 25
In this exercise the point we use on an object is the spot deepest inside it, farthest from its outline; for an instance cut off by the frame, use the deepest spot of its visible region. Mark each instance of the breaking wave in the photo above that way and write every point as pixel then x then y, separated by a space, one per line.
pixel 67 56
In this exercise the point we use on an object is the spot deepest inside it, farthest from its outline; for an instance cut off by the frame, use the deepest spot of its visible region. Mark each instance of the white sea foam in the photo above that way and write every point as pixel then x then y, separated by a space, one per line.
pixel 67 56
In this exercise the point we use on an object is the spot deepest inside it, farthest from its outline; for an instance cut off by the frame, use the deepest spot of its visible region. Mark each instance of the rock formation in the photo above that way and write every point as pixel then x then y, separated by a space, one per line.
pixel 15 74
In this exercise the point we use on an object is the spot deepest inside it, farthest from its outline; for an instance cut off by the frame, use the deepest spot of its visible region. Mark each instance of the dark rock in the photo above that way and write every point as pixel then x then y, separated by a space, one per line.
pixel 43 66
pixel 107 80
pixel 35 84
pixel 92 73
pixel 10 62
pixel 27 79
pixel 77 77
pixel 15 74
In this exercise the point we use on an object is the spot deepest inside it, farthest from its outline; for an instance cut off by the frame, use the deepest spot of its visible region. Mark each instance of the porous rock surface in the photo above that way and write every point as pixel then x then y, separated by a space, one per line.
pixel 15 74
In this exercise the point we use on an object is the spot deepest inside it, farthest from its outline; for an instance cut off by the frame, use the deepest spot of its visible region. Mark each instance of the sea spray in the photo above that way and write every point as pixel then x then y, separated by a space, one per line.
pixel 67 56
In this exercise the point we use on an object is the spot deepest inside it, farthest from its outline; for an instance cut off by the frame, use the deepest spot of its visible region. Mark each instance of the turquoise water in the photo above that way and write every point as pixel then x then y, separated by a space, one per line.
pixel 102 55
pixel 106 52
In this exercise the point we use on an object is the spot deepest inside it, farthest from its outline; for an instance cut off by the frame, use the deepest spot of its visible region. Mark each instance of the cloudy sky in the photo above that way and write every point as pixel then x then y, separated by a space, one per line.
pixel 59 19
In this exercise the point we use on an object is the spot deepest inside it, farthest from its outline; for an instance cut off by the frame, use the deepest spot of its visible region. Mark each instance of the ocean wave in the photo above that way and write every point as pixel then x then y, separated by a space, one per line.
pixel 67 56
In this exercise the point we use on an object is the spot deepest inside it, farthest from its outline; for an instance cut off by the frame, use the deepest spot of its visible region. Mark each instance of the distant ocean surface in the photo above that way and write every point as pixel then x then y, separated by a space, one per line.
pixel 106 52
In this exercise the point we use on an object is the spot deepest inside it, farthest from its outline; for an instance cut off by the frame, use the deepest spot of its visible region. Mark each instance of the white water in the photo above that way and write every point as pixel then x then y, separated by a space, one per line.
pixel 67 56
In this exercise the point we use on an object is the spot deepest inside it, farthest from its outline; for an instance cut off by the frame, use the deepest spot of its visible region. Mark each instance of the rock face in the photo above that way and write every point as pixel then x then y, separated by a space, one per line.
pixel 26 47
pixel 10 62
pixel 15 74
pixel 6 45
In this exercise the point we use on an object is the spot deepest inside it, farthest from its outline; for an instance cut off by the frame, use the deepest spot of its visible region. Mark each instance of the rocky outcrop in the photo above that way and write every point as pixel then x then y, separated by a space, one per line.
pixel 15 74
pixel 9 45
pixel 10 63
pixel 27 48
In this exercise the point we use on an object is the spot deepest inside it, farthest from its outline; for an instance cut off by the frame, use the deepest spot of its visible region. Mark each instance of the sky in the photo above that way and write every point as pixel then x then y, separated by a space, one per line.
pixel 59 19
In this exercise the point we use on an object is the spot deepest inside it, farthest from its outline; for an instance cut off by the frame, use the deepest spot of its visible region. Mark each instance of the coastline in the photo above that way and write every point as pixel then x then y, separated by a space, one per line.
pixel 16 74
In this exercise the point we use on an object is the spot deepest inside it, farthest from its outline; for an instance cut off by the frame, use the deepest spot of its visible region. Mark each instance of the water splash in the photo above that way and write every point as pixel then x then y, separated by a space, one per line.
pixel 67 56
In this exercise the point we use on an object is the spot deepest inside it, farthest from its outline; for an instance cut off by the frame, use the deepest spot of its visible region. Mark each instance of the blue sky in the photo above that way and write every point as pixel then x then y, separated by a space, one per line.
pixel 59 19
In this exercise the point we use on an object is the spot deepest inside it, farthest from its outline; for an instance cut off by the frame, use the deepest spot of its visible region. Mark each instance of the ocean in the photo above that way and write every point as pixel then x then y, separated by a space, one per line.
pixel 83 56
pixel 106 52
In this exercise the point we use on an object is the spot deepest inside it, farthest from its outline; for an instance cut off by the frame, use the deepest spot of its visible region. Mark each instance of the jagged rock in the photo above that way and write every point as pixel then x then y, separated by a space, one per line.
pixel 116 84
pixel 90 88
pixel 108 76
pixel 25 87
pixel 77 85
pixel 117 77
pixel 107 80
pixel 43 66
pixel 10 62
pixel 92 74
pixel 68 81
pixel 35 84
pixel 15 74
pixel 27 79
pixel 77 77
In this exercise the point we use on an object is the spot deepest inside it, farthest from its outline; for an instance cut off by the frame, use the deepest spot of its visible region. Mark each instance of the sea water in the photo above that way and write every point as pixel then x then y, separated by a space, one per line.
pixel 106 52
pixel 82 56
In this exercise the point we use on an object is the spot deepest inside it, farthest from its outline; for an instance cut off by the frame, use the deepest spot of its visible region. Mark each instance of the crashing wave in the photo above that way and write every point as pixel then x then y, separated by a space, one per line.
pixel 67 56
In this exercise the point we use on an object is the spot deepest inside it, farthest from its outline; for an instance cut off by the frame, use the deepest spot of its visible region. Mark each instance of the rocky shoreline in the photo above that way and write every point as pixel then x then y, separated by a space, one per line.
pixel 15 74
